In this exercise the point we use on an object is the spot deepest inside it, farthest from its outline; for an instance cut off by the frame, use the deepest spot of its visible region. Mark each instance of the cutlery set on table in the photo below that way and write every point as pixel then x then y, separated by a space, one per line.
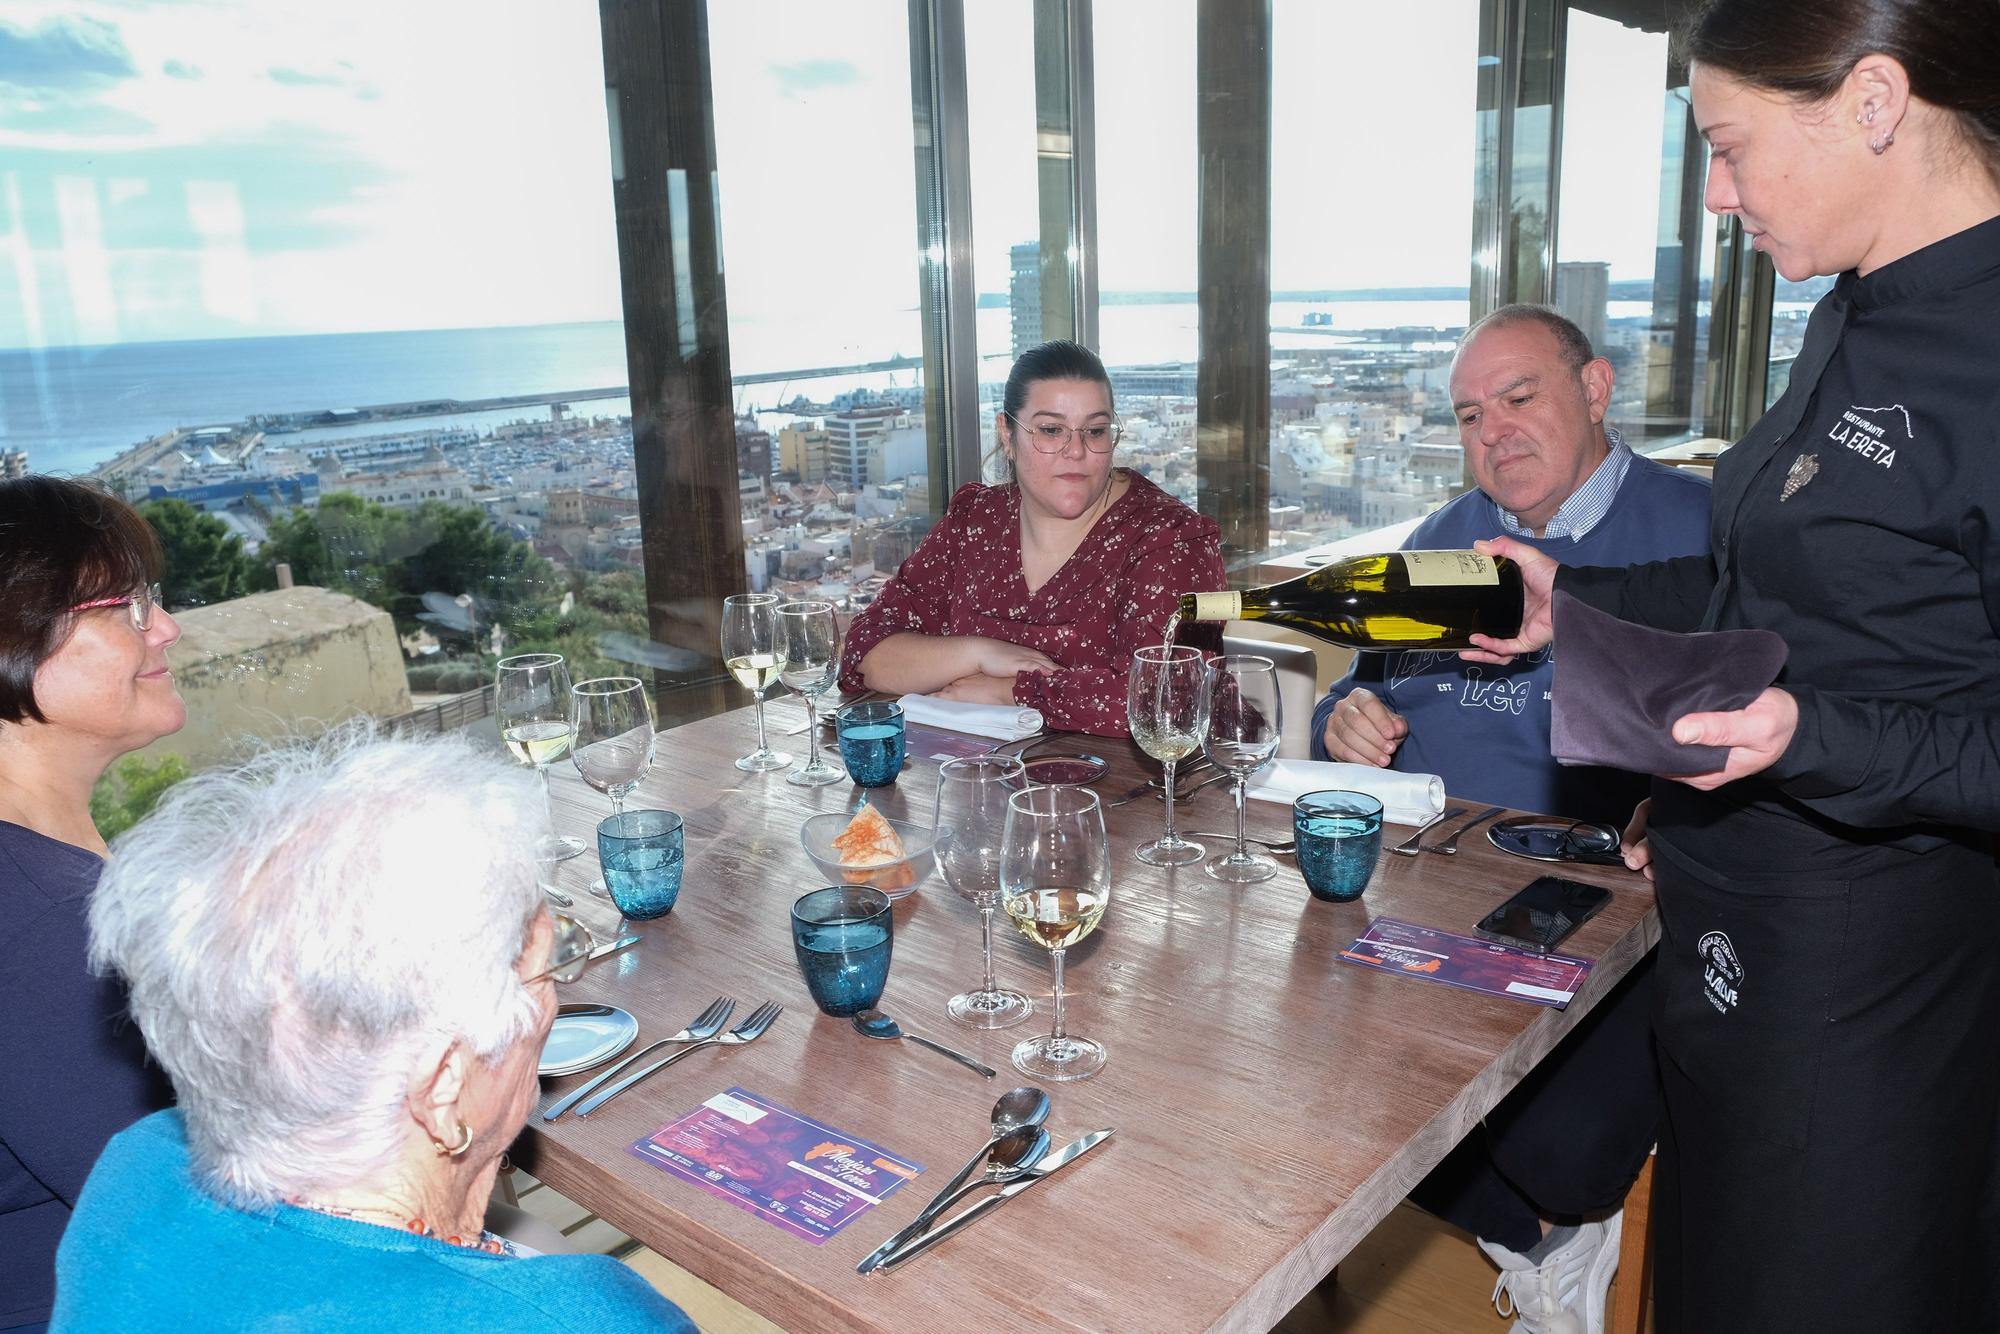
pixel 1017 1156
pixel 704 1030
pixel 1409 847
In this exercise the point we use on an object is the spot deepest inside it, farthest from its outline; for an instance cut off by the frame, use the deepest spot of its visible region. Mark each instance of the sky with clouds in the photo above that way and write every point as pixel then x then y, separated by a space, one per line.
pixel 211 168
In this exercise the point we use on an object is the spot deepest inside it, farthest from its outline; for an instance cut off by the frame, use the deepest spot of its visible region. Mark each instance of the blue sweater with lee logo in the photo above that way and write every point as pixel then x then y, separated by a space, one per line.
pixel 1485 729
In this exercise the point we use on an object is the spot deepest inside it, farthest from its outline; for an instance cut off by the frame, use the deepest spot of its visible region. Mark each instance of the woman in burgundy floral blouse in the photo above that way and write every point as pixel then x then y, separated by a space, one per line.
pixel 1037 592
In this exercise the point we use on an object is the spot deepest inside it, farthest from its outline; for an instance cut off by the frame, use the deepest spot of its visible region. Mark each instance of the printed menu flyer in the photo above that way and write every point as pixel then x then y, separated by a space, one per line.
pixel 790 1170
pixel 1468 962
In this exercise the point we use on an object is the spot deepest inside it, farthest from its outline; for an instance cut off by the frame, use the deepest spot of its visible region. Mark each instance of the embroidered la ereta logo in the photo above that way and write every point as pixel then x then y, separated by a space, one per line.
pixel 1874 433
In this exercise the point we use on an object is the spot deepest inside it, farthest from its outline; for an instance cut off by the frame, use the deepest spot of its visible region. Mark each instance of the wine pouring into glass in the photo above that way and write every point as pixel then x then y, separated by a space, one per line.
pixel 613 745
pixel 1245 722
pixel 970 827
pixel 750 650
pixel 809 643
pixel 1055 882
pixel 532 697
pixel 1166 703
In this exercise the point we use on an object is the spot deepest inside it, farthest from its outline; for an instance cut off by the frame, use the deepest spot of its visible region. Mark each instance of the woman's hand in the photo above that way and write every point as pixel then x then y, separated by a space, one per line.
pixel 1637 850
pixel 1538 582
pixel 997 657
pixel 1756 734
pixel 978 689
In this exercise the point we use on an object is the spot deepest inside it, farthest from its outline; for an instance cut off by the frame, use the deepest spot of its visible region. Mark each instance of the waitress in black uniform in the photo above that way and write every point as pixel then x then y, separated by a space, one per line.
pixel 1828 1019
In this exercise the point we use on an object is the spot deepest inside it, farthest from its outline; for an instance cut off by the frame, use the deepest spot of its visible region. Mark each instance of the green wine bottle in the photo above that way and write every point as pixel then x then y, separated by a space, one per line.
pixel 1400 599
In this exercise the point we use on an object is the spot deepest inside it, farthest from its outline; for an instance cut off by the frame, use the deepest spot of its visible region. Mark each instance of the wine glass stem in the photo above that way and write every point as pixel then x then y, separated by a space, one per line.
pixel 986 930
pixel 1168 765
pixel 1242 785
pixel 1058 1034
pixel 618 803
pixel 762 744
pixel 548 793
pixel 812 732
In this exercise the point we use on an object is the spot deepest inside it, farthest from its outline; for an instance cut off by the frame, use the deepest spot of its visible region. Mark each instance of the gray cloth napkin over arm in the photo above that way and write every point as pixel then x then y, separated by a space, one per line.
pixel 1619 688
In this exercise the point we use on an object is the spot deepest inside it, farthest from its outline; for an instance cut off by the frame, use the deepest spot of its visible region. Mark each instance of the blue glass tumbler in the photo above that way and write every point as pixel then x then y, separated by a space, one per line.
pixel 843 936
pixel 1339 836
pixel 871 742
pixel 641 854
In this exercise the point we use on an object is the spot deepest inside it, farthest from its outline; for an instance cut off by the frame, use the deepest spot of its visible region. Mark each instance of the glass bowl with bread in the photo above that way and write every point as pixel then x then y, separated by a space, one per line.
pixel 865 847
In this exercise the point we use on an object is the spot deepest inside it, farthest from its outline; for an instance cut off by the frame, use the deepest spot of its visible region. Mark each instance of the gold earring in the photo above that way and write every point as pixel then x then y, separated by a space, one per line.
pixel 455 1150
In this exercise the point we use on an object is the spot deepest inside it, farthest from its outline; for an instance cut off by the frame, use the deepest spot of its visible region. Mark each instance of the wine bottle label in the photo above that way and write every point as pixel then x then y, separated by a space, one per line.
pixel 1218 606
pixel 1433 569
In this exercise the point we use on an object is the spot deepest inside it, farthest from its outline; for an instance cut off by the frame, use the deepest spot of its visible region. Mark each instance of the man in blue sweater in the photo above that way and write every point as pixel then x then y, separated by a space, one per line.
pixel 1540 1184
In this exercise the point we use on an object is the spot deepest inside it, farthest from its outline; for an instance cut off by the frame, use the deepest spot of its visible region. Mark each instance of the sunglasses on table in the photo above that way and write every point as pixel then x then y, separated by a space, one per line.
pixel 1555 840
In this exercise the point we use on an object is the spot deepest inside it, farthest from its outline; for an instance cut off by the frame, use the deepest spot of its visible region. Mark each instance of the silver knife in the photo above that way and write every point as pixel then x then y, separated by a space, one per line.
pixel 613 946
pixel 1048 1167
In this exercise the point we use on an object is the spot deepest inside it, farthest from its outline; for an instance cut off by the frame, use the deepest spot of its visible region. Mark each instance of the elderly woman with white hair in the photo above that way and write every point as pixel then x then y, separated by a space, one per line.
pixel 339 953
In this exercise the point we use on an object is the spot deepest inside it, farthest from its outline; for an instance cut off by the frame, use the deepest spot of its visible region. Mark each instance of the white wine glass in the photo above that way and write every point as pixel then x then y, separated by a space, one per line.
pixel 531 696
pixel 968 832
pixel 750 651
pixel 1055 881
pixel 1245 720
pixel 1166 704
pixel 613 746
pixel 809 642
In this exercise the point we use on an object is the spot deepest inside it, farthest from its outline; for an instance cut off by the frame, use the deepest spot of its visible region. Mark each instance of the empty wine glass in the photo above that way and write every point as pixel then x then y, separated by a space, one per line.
pixel 531 695
pixel 1055 880
pixel 1245 720
pixel 1166 703
pixel 613 744
pixel 809 642
pixel 970 828
pixel 750 651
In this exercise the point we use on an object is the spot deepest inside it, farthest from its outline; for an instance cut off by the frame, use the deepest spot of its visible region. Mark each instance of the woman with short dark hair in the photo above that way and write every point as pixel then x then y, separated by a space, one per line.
pixel 1829 988
pixel 1037 591
pixel 83 680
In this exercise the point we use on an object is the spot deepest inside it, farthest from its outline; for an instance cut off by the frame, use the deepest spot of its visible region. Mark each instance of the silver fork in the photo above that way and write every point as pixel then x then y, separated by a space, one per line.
pixel 703 1025
pixel 749 1030
pixel 1408 847
pixel 1449 845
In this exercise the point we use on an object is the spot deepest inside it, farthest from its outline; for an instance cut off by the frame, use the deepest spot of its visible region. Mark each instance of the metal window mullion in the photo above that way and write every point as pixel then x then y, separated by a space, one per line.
pixel 937 57
pixel 1083 171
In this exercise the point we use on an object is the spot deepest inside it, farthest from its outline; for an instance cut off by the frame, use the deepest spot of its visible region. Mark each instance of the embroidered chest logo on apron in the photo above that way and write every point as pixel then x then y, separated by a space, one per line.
pixel 1721 971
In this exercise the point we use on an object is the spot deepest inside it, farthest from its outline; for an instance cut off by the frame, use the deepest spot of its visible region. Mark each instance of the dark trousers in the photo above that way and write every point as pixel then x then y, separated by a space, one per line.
pixel 1569 1139
pixel 1830 1060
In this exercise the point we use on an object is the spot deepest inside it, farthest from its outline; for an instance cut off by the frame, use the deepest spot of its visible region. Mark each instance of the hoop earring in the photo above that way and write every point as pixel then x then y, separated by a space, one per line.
pixel 455 1150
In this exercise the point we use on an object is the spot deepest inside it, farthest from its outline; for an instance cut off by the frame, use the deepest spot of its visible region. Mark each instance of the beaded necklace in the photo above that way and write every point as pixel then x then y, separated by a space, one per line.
pixel 415 1226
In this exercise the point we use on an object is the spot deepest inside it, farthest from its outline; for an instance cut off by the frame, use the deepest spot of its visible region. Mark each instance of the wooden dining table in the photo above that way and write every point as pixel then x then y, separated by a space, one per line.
pixel 1271 1102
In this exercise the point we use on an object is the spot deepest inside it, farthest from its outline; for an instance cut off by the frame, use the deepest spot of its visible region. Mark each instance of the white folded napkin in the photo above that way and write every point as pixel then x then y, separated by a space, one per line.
pixel 1005 722
pixel 1406 798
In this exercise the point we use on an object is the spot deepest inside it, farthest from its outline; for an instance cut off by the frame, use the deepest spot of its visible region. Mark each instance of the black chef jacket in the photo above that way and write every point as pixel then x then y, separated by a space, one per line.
pixel 1860 519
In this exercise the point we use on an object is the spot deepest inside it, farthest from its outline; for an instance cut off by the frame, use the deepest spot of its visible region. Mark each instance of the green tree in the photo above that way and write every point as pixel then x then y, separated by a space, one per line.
pixel 124 796
pixel 205 561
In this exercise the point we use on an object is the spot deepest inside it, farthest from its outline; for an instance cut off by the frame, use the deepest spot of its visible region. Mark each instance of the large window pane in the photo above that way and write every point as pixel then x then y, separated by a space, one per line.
pixel 813 134
pixel 1370 238
pixel 339 303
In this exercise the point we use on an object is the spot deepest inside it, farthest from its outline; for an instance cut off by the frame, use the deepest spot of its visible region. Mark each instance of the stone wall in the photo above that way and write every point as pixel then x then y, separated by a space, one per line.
pixel 288 663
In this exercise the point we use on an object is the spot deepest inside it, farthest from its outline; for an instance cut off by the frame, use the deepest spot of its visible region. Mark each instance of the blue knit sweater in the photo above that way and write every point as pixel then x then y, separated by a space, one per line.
pixel 1485 730
pixel 149 1250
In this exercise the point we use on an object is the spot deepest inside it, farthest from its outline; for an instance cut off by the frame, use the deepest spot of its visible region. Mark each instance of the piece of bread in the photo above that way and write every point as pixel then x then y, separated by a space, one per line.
pixel 870 841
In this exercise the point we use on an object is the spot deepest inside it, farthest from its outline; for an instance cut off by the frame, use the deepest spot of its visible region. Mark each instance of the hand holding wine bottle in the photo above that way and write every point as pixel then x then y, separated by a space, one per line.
pixel 1538 582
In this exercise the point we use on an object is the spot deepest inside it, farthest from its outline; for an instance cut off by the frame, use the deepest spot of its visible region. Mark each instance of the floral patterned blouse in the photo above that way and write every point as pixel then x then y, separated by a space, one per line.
pixel 1112 596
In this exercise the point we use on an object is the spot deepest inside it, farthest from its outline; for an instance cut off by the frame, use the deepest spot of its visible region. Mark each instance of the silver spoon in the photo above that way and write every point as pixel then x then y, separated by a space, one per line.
pixel 1011 1155
pixel 875 1024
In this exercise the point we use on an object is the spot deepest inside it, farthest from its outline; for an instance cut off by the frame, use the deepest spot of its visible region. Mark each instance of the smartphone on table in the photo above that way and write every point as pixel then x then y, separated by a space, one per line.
pixel 1543 913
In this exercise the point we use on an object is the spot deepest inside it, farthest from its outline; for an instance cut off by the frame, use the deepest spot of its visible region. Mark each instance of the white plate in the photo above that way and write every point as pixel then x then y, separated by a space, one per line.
pixel 584 1035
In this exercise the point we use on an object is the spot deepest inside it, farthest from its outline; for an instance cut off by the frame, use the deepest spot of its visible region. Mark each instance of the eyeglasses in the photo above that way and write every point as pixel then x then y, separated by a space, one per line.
pixel 1558 840
pixel 569 950
pixel 1053 437
pixel 139 603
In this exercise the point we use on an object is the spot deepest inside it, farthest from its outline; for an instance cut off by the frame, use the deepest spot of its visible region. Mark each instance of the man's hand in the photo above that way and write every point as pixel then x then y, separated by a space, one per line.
pixel 1363 730
pixel 979 689
pixel 997 657
pixel 1756 734
pixel 1538 582
pixel 1638 852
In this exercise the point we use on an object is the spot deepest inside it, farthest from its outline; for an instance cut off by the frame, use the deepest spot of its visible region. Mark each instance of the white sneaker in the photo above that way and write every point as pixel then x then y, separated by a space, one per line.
pixel 1564 1294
